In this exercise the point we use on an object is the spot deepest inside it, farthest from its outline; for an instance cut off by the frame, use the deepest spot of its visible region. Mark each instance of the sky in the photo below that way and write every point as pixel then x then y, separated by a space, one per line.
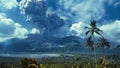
pixel 17 18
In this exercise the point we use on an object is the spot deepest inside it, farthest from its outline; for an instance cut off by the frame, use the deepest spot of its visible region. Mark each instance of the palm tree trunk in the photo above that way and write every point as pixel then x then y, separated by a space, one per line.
pixel 95 51
pixel 89 55
pixel 103 53
pixel 89 58
pixel 95 55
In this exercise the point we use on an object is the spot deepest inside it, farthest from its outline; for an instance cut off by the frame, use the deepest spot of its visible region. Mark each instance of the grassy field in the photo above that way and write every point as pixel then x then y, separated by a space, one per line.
pixel 111 61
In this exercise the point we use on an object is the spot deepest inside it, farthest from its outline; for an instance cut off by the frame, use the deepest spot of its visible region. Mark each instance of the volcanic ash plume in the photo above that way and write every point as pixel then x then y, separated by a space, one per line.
pixel 35 12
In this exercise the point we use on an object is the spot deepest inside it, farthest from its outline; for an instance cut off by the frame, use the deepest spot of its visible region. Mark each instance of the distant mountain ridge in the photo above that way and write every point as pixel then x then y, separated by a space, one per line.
pixel 38 43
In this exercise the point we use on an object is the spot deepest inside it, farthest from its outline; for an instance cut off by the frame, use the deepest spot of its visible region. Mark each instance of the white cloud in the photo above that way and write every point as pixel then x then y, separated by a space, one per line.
pixel 117 4
pixel 83 9
pixel 8 4
pixel 112 31
pixel 10 29
pixel 110 2
pixel 77 29
pixel 20 32
pixel 4 22
pixel 34 31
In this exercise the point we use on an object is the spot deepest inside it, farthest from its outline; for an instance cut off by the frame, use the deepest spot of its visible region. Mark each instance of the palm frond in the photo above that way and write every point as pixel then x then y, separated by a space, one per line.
pixel 107 44
pixel 98 30
pixel 87 32
pixel 103 42
pixel 87 27
pixel 98 33
pixel 93 23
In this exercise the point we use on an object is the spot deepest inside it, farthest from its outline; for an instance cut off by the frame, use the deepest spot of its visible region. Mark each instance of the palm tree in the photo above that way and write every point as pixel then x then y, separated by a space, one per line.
pixel 91 31
pixel 102 44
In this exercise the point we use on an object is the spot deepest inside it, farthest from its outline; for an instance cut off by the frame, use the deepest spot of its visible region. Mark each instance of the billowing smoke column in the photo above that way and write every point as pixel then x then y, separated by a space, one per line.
pixel 36 12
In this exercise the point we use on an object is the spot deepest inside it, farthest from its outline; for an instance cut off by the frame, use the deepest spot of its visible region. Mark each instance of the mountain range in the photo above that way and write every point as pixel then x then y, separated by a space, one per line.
pixel 38 43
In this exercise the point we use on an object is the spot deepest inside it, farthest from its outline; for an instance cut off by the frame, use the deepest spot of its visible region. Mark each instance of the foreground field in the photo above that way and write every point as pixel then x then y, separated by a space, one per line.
pixel 111 61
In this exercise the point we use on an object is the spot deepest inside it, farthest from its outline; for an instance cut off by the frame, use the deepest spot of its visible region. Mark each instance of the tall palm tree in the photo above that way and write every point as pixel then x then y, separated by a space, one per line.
pixel 102 44
pixel 91 31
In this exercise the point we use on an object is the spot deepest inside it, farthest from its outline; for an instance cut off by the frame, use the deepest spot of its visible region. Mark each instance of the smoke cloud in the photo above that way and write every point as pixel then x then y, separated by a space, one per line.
pixel 35 12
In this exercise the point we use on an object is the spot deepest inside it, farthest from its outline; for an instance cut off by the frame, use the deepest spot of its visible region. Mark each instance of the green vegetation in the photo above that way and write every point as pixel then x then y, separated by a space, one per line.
pixel 112 61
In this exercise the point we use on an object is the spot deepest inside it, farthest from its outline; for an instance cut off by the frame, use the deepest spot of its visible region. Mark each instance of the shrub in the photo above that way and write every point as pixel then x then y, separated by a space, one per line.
pixel 32 66
pixel 27 61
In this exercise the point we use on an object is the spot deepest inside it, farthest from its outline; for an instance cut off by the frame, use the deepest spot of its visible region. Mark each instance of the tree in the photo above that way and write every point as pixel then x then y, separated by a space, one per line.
pixel 90 33
pixel 93 29
pixel 102 44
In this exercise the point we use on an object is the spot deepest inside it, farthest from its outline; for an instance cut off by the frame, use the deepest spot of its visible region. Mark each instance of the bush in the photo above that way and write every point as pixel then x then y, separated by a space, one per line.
pixel 32 66
pixel 27 61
